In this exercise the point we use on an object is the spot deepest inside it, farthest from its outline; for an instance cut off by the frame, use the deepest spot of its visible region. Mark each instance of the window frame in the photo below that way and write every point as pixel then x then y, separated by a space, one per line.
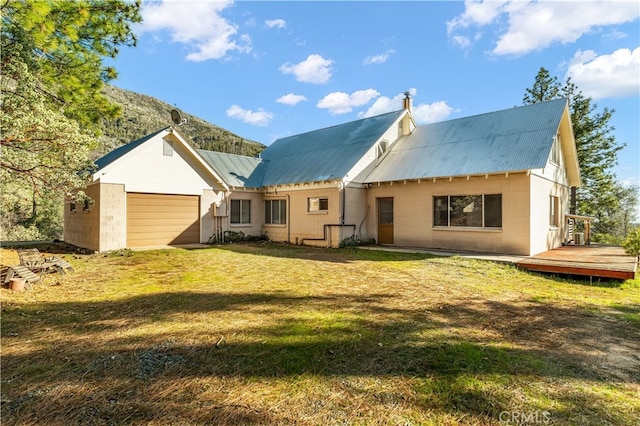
pixel 556 153
pixel 554 211
pixel 440 212
pixel 319 201
pixel 281 211
pixel 244 205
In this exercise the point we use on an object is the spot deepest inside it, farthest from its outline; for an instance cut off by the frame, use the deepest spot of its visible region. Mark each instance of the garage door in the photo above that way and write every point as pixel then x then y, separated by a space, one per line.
pixel 158 219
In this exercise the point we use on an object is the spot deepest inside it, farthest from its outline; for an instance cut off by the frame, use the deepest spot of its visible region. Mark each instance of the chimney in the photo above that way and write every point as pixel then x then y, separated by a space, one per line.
pixel 406 103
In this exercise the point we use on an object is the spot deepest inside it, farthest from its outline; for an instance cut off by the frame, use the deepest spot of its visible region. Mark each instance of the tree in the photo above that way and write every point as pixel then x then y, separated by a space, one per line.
pixel 596 147
pixel 51 98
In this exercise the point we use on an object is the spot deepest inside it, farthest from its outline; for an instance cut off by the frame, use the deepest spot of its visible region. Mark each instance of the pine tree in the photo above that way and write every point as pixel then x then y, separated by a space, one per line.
pixel 52 78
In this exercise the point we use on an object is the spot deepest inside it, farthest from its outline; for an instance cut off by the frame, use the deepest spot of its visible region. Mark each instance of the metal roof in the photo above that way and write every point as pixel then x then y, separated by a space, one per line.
pixel 236 170
pixel 324 154
pixel 515 139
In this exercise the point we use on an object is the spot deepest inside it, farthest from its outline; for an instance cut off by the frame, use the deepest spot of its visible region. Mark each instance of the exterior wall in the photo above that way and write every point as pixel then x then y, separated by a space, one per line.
pixel 208 221
pixel 544 236
pixel 82 228
pixel 357 212
pixel 255 228
pixel 146 169
pixel 103 226
pixel 413 214
pixel 113 217
pixel 304 227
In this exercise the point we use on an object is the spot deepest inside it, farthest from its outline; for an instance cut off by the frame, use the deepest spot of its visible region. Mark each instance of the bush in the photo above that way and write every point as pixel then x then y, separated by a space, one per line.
pixel 632 244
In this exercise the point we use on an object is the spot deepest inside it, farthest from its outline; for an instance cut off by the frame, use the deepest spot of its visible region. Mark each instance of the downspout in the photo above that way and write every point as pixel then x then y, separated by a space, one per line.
pixel 343 209
pixel 288 219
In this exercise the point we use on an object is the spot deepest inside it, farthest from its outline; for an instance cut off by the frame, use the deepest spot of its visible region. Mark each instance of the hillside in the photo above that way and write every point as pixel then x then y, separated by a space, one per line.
pixel 142 114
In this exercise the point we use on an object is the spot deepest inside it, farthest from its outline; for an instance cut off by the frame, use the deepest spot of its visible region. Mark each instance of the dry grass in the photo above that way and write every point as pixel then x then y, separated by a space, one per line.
pixel 287 335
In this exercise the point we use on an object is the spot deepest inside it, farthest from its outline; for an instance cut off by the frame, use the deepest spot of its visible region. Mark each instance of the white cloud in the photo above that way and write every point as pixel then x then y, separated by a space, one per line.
pixel 276 23
pixel 315 69
pixel 431 113
pixel 379 59
pixel 259 118
pixel 291 99
pixel 606 76
pixel 198 25
pixel 535 25
pixel 422 113
pixel 341 103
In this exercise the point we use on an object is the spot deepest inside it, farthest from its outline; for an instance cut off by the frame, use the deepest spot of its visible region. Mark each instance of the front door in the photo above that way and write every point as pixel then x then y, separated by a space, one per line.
pixel 385 220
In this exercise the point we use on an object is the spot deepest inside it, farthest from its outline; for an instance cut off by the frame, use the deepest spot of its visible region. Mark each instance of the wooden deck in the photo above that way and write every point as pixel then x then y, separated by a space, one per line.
pixel 591 261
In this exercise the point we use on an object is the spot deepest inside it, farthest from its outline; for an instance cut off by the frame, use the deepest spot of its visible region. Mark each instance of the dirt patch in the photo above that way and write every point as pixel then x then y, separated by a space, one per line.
pixel 596 342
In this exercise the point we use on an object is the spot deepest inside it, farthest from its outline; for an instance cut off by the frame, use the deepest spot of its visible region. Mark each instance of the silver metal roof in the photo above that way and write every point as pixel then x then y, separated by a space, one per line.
pixel 236 170
pixel 510 140
pixel 324 154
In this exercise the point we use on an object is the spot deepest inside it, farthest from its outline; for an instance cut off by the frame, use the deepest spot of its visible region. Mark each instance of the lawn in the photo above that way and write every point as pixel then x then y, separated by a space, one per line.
pixel 273 334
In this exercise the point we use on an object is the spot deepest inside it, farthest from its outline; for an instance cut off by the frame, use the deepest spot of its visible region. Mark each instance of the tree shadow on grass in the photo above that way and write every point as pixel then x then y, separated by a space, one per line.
pixel 457 355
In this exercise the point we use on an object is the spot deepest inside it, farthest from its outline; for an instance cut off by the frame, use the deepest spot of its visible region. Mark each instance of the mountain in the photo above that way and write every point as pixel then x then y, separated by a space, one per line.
pixel 142 114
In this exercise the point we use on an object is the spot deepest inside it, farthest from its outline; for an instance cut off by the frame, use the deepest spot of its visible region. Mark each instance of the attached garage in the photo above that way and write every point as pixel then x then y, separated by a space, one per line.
pixel 162 219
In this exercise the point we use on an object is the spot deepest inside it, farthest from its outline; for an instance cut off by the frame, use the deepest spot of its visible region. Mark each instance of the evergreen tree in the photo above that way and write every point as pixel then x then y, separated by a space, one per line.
pixel 596 147
pixel 51 96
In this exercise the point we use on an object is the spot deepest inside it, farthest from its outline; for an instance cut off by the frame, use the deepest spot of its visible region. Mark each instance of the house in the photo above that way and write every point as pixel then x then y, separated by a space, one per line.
pixel 496 182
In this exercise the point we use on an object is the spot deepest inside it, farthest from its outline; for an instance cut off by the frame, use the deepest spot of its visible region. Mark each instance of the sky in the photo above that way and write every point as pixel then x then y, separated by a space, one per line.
pixel 269 69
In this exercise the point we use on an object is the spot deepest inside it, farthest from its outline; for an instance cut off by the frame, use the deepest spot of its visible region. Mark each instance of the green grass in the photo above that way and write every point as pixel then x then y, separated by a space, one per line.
pixel 273 334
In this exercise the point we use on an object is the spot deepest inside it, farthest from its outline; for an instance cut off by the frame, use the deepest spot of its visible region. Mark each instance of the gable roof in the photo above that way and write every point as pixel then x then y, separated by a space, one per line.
pixel 510 140
pixel 236 170
pixel 324 154
pixel 112 156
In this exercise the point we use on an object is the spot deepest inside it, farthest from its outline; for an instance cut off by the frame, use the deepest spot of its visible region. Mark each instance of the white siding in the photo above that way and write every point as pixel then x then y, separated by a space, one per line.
pixel 145 169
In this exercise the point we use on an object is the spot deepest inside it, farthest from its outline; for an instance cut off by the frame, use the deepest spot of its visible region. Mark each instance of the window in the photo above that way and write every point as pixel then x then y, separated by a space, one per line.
pixel 493 211
pixel 554 205
pixel 275 212
pixel 382 148
pixel 474 211
pixel 72 207
pixel 86 206
pixel 318 204
pixel 240 212
pixel 555 150
pixel 167 148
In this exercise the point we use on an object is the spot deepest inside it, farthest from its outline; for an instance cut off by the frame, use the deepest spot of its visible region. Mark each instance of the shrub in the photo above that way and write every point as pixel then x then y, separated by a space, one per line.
pixel 632 244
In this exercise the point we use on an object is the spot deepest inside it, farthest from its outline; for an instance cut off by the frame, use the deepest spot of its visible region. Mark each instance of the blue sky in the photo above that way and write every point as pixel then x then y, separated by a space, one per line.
pixel 270 69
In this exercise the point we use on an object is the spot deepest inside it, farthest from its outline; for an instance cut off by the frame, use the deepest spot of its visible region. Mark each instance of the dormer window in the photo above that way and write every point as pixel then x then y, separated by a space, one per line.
pixel 382 148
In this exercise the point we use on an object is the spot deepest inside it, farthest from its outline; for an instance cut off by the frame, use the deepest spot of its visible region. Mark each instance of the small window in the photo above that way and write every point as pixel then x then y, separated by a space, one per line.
pixel 554 216
pixel 240 212
pixel 382 148
pixel 72 207
pixel 318 204
pixel 556 150
pixel 167 148
pixel 275 212
pixel 86 206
